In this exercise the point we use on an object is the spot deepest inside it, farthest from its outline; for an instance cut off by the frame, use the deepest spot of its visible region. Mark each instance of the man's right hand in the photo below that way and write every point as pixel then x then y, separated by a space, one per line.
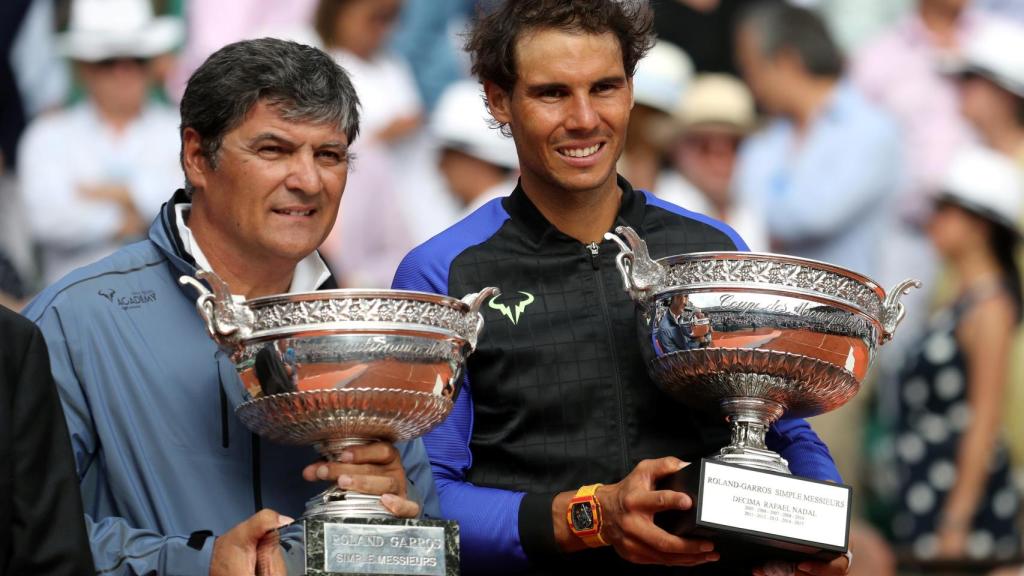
pixel 628 509
pixel 251 548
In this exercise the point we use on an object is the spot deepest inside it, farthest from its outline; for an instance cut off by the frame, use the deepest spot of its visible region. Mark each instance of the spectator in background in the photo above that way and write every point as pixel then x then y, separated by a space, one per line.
pixel 824 168
pixel 953 496
pixel 397 184
pixel 715 115
pixel 427 38
pixel 356 32
pixel 212 25
pixel 662 77
pixel 992 100
pixel 992 87
pixel 901 71
pixel 478 162
pixel 93 176
pixel 702 28
pixel 12 111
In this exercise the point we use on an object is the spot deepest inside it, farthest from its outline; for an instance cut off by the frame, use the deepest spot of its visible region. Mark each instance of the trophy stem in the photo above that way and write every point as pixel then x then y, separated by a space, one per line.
pixel 338 503
pixel 749 419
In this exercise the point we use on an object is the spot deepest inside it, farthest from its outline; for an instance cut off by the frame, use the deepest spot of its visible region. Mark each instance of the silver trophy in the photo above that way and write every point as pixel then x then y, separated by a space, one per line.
pixel 755 337
pixel 338 368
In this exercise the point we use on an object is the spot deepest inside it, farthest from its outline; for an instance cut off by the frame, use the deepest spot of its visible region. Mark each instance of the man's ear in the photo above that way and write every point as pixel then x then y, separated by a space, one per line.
pixel 193 161
pixel 632 100
pixel 498 101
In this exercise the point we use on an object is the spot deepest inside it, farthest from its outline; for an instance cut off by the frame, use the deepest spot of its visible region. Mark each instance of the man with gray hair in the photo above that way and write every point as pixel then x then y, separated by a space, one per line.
pixel 163 462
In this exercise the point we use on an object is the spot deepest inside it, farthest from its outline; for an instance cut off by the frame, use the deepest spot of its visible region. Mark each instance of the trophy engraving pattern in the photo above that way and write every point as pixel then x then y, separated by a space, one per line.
pixel 272 316
pixel 777 273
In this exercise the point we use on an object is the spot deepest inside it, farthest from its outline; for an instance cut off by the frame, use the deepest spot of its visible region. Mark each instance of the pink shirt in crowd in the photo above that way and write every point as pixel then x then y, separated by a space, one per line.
pixel 902 71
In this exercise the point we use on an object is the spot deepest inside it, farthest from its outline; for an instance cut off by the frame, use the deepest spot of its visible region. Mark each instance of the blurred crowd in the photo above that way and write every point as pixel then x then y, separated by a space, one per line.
pixel 886 136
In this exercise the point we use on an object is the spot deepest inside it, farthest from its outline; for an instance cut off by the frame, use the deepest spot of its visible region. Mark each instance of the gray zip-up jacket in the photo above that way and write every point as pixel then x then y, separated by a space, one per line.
pixel 149 401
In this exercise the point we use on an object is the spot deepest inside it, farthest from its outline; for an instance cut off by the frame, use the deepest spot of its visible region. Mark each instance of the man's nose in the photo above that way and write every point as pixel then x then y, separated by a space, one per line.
pixel 582 114
pixel 303 175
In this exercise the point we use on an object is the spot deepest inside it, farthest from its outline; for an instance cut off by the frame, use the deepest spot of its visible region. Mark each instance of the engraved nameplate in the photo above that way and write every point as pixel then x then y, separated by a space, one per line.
pixel 775 505
pixel 381 549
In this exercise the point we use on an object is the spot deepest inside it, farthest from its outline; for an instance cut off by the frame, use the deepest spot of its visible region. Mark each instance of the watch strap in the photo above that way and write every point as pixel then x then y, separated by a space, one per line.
pixel 588 495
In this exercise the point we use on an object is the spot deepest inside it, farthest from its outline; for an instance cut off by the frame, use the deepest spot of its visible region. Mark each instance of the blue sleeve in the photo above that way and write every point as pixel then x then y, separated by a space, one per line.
pixel 799 444
pixel 419 477
pixel 117 546
pixel 488 517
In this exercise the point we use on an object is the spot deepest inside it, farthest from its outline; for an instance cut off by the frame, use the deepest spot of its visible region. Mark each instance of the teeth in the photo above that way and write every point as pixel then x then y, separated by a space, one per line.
pixel 580 152
pixel 295 213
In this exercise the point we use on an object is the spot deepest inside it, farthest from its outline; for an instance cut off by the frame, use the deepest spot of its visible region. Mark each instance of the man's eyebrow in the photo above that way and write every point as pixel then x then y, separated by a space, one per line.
pixel 545 87
pixel 617 80
pixel 272 137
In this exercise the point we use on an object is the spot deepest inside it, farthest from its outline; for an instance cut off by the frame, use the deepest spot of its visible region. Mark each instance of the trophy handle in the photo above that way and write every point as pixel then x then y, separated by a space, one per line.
pixel 893 310
pixel 640 274
pixel 476 301
pixel 228 322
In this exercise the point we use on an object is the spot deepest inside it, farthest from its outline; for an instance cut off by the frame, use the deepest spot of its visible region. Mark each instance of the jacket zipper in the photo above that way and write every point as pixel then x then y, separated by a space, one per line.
pixel 595 252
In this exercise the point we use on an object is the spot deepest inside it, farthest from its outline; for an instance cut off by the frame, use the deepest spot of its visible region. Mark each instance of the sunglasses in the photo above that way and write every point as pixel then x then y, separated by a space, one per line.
pixel 110 63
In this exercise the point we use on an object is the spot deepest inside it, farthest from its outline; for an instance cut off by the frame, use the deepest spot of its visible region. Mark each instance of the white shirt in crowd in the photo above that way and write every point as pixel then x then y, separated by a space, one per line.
pixel 68 149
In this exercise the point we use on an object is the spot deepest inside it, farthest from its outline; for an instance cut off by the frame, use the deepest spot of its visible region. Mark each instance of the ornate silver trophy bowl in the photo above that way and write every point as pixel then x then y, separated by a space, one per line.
pixel 756 336
pixel 338 368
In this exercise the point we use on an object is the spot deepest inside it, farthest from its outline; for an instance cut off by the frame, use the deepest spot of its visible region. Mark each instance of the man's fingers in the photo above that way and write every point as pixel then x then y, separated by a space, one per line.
pixel 648 534
pixel 371 484
pixel 640 552
pixel 659 467
pixel 259 524
pixel 400 507
pixel 376 453
pixel 269 559
pixel 330 471
pixel 657 501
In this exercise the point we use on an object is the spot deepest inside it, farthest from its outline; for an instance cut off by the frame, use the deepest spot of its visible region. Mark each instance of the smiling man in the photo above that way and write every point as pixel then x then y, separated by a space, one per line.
pixel 557 407
pixel 169 474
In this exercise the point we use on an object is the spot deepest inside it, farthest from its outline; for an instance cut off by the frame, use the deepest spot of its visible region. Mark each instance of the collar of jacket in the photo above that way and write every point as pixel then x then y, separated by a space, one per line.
pixel 164 234
pixel 541 231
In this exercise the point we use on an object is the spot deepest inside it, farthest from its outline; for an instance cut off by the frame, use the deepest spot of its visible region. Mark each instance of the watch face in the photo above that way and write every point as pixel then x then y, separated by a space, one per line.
pixel 582 516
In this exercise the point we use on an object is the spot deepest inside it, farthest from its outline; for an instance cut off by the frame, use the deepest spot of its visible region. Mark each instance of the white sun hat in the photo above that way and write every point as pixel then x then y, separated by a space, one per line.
pixel 662 77
pixel 461 122
pixel 987 183
pixel 996 52
pixel 103 29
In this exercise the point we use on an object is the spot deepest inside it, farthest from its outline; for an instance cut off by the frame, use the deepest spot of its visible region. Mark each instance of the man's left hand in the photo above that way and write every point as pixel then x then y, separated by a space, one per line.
pixel 837 567
pixel 371 469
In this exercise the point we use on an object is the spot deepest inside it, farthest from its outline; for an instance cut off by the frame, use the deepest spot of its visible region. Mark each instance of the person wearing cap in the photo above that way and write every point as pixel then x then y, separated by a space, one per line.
pixel 825 168
pixel 714 116
pixel 992 87
pixel 477 161
pixel 952 494
pixel 662 77
pixel 94 175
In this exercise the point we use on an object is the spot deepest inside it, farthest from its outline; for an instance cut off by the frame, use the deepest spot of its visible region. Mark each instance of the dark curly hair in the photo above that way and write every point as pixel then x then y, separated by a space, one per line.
pixel 491 42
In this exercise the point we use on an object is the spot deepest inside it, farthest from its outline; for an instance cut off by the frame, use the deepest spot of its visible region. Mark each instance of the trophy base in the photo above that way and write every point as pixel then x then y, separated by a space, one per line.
pixel 371 546
pixel 758 514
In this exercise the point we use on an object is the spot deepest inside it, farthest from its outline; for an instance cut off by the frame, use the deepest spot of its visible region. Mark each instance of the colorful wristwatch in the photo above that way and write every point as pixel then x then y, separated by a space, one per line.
pixel 584 516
